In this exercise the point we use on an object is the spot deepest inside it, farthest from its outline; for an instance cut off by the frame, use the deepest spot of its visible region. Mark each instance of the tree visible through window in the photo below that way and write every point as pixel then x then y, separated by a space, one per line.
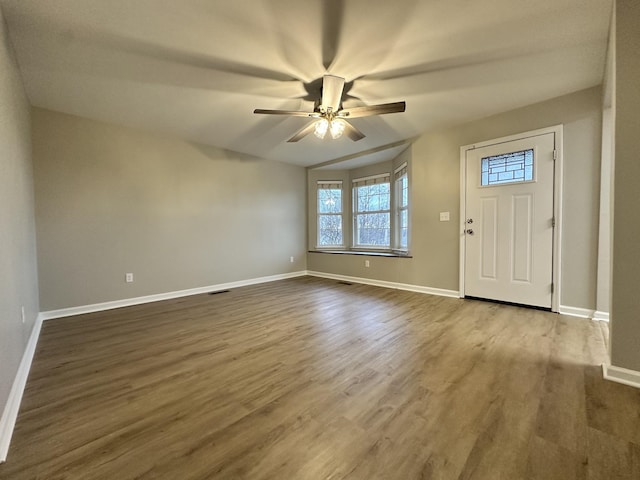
pixel 372 207
pixel 372 226
pixel 330 214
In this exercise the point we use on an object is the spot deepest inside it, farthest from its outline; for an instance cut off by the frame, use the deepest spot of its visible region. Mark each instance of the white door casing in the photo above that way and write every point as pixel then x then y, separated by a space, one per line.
pixel 510 252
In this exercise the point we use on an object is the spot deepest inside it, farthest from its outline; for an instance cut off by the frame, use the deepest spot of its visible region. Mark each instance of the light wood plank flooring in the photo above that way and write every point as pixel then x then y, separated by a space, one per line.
pixel 310 379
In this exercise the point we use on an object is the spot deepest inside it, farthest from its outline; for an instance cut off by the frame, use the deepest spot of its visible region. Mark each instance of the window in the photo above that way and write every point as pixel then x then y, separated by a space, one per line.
pixel 375 217
pixel 402 208
pixel 507 168
pixel 372 212
pixel 330 214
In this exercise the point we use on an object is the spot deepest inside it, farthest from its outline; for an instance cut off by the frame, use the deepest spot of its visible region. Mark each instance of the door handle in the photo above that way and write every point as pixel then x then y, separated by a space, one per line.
pixel 469 231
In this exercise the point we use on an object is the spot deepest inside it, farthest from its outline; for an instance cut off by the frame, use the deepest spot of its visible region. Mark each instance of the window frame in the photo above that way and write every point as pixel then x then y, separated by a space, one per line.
pixel 337 185
pixel 383 178
pixel 400 173
pixel 349 214
pixel 514 180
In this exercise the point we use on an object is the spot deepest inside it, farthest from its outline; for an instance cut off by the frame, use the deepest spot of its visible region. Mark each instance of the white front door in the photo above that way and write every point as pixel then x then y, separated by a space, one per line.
pixel 508 236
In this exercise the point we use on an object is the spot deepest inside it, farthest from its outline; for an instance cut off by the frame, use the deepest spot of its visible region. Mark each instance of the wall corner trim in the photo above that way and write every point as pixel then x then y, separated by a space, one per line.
pixel 382 283
pixel 127 302
pixel 621 375
pixel 11 409
pixel 601 316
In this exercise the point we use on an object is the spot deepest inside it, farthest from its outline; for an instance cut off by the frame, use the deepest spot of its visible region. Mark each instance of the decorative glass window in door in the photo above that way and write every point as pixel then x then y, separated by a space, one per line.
pixel 512 167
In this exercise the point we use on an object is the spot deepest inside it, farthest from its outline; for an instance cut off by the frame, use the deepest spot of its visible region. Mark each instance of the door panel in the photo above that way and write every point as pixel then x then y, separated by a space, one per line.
pixel 509 200
pixel 522 253
pixel 489 232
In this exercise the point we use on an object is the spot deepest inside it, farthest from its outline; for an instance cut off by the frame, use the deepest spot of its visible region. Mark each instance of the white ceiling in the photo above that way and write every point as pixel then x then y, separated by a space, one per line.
pixel 197 68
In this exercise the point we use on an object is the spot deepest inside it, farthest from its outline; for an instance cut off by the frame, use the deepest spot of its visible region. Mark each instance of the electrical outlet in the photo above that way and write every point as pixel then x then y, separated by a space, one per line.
pixel 444 216
pixel 24 320
pixel 128 277
pixel 366 263
pixel 291 259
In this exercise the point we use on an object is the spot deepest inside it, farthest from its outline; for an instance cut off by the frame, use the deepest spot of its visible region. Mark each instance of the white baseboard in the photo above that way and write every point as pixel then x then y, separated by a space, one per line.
pixel 382 283
pixel 584 313
pixel 621 375
pixel 601 316
pixel 10 413
pixel 127 302
pixel 576 312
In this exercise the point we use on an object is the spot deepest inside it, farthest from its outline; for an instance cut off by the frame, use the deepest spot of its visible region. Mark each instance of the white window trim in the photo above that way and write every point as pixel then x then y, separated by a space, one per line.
pixel 399 173
pixel 351 245
pixel 335 184
pixel 361 182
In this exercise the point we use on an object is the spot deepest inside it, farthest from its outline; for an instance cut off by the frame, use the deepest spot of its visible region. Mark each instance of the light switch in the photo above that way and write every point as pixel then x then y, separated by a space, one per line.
pixel 444 216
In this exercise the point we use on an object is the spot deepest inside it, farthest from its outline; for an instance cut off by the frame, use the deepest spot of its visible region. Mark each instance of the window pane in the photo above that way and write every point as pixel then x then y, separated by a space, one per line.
pixel 329 200
pixel 373 229
pixel 385 201
pixel 404 228
pixel 370 198
pixel 373 203
pixel 507 168
pixel 362 196
pixel 329 230
pixel 372 225
pixel 357 198
pixel 403 185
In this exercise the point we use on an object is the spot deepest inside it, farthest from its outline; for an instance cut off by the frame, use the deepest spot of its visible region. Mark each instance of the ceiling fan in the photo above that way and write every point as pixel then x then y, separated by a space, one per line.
pixel 331 117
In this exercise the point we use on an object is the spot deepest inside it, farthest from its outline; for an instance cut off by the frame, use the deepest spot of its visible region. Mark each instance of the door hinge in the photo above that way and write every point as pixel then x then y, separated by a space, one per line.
pixel 552 287
pixel 555 155
pixel 553 222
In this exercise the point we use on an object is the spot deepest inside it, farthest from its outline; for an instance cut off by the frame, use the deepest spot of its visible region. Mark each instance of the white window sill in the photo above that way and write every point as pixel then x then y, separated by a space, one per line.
pixel 364 252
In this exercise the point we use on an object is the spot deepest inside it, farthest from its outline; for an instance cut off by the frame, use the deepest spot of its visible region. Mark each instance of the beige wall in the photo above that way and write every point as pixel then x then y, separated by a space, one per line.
pixel 112 200
pixel 18 274
pixel 435 178
pixel 625 305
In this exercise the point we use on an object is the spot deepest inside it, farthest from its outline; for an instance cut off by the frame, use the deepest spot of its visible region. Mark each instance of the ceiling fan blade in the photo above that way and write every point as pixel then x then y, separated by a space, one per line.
pixel 370 110
pixel 352 132
pixel 293 113
pixel 303 133
pixel 332 88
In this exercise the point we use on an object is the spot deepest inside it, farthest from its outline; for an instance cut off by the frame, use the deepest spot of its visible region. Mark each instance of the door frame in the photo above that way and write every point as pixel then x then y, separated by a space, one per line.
pixel 557 130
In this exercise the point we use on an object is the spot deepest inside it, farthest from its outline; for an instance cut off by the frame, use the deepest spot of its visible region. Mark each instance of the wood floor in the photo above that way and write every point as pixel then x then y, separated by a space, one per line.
pixel 310 379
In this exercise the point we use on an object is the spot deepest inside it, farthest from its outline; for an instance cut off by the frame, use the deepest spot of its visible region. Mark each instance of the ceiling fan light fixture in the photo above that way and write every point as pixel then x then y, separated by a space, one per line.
pixel 321 128
pixel 336 128
pixel 330 116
